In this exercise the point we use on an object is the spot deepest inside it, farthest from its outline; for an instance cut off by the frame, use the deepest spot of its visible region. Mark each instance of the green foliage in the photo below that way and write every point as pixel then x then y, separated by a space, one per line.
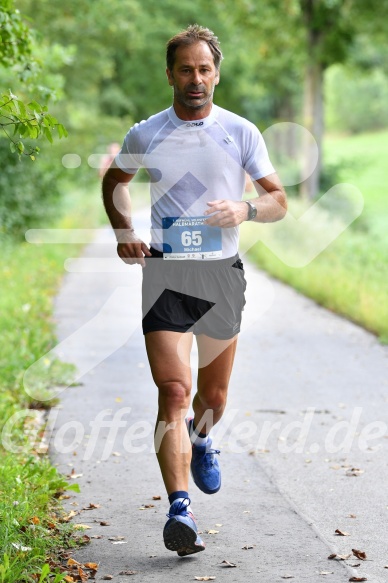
pixel 28 121
pixel 22 118
pixel 30 194
pixel 350 276
pixel 366 91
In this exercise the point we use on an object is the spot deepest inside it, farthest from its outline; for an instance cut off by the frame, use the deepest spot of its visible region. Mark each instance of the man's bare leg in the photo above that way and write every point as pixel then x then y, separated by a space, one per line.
pixel 216 359
pixel 172 375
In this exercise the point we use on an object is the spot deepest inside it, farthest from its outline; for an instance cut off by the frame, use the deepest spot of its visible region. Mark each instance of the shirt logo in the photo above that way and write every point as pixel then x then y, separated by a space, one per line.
pixel 194 123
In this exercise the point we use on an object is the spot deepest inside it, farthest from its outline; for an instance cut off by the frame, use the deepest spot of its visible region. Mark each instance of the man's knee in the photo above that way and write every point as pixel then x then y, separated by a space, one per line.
pixel 174 395
pixel 214 399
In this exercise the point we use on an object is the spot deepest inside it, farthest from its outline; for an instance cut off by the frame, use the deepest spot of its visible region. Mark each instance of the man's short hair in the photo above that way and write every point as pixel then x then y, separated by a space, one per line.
pixel 193 34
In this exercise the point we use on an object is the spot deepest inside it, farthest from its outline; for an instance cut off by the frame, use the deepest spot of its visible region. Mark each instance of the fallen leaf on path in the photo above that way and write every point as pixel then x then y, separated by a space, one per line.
pixel 128 572
pixel 93 566
pixel 359 554
pixel 352 516
pixel 68 579
pixel 72 562
pixel 103 523
pixel 339 557
pixel 107 577
pixel 96 536
pixel 156 497
pixel 246 547
pixel 326 573
pixel 341 532
pixel 206 578
pixel 69 516
pixel 228 564
pixel 145 506
pixel 354 472
pixel 212 531
pixel 358 579
pixel 82 575
pixel 287 576
pixel 355 566
pixel 82 526
pixel 91 506
pixel 218 525
pixel 116 538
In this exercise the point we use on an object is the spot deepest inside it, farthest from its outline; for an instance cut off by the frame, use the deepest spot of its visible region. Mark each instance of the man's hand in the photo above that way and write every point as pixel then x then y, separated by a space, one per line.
pixel 228 213
pixel 133 250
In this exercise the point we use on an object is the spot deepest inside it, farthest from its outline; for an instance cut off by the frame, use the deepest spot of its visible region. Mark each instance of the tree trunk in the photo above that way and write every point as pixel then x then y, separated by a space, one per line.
pixel 313 121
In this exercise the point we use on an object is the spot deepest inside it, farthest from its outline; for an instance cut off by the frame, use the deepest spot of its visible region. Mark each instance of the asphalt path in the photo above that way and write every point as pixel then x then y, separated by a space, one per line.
pixel 303 440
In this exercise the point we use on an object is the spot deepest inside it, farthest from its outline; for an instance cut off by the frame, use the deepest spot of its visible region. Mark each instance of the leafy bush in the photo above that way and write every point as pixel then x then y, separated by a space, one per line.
pixel 29 192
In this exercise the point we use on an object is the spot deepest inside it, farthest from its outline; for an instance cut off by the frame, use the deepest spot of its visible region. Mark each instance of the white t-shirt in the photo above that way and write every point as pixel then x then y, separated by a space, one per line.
pixel 191 163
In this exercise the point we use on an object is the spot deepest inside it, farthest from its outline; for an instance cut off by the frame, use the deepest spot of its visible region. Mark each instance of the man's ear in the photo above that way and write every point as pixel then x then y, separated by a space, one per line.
pixel 170 77
pixel 217 78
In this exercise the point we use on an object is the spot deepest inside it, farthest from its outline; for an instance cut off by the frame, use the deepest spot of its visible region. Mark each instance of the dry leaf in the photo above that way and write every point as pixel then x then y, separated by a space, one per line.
pixel 246 547
pixel 128 572
pixel 68 579
pixel 116 538
pixel 156 497
pixel 339 557
pixel 356 565
pixel 218 525
pixel 91 506
pixel 341 533
pixel 96 536
pixel 206 578
pixel 82 526
pixel 103 523
pixel 352 516
pixel 69 516
pixel 35 520
pixel 75 476
pixel 82 575
pixel 107 577
pixel 93 566
pixel 358 579
pixel 354 472
pixel 212 531
pixel 72 563
pixel 228 564
pixel 326 573
pixel 116 453
pixel 359 554
pixel 287 576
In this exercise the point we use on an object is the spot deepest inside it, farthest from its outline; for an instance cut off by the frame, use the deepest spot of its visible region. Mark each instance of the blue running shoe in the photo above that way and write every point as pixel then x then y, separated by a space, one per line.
pixel 180 532
pixel 204 467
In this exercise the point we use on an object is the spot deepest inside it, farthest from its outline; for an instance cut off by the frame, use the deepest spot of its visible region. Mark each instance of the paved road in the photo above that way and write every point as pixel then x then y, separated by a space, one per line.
pixel 304 439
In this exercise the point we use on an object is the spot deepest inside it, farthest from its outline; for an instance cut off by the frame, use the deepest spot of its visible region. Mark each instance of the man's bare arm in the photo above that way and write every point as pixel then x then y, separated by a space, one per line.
pixel 117 202
pixel 271 205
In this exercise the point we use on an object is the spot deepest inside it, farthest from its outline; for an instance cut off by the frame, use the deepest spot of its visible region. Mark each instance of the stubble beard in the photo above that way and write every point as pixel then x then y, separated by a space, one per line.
pixel 197 104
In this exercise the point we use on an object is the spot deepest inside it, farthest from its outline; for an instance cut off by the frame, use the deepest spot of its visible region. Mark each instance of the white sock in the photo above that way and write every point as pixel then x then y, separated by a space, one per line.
pixel 181 500
pixel 195 438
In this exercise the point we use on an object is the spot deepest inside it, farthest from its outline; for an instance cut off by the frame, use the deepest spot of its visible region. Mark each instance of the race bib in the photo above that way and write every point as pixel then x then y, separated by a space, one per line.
pixel 190 238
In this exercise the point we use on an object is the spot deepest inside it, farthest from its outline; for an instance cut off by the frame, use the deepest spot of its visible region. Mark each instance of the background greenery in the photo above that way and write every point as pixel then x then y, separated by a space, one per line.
pixel 89 69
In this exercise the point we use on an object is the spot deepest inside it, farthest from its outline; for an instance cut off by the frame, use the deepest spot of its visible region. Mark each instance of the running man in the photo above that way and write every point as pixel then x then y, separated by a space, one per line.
pixel 197 156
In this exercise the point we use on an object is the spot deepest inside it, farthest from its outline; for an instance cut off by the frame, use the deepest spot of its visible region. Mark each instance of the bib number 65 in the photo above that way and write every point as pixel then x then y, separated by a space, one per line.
pixel 189 238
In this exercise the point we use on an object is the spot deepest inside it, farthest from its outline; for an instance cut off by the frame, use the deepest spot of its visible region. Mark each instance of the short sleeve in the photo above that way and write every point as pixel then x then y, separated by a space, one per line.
pixel 128 159
pixel 256 160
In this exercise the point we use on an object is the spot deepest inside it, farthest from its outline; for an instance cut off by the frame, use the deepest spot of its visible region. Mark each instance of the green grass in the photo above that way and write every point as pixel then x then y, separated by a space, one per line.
pixel 350 276
pixel 31 532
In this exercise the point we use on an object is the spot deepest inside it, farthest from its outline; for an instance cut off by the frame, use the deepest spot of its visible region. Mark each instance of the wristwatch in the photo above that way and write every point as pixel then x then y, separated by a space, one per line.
pixel 252 211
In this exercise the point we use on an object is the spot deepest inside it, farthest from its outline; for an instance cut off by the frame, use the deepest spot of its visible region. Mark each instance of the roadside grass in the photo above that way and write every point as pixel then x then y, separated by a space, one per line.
pixel 32 530
pixel 350 276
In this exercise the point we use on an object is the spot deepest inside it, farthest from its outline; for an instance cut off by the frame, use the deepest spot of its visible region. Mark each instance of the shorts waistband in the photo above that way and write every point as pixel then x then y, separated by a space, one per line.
pixel 197 263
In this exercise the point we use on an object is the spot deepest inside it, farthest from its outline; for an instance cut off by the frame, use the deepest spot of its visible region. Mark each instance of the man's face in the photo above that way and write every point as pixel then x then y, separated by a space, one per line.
pixel 194 75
